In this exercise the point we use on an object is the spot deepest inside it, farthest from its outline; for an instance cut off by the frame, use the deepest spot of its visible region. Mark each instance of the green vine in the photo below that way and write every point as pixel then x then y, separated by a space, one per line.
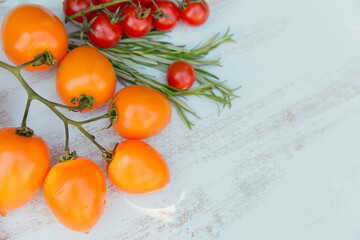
pixel 24 131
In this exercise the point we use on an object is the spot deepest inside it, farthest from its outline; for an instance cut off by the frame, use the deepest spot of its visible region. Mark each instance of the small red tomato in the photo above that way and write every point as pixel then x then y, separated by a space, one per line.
pixel 171 10
pixel 71 7
pixel 114 7
pixel 136 23
pixel 107 34
pixel 181 75
pixel 145 3
pixel 195 14
pixel 138 168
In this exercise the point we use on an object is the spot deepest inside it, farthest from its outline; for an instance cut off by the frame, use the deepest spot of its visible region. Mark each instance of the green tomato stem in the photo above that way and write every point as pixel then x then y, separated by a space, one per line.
pixel 93 8
pixel 94 119
pixel 67 149
pixel 23 123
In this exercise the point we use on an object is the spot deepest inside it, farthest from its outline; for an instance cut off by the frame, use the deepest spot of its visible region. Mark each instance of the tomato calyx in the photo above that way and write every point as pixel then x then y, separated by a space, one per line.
pixel 108 155
pixel 24 132
pixel 84 26
pixel 140 14
pixel 114 17
pixel 85 102
pixel 68 156
pixel 44 57
pixel 185 4
pixel 159 14
pixel 145 14
pixel 113 114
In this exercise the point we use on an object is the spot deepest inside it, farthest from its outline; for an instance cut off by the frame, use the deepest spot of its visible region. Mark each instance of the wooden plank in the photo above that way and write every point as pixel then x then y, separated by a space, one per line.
pixel 282 163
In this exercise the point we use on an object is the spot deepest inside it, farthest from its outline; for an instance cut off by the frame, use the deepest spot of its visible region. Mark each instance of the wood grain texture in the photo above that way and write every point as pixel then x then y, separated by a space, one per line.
pixel 282 163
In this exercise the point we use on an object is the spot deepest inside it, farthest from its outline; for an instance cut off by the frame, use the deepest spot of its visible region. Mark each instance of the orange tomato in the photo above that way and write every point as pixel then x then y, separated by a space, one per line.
pixel 85 70
pixel 142 112
pixel 29 29
pixel 75 191
pixel 138 168
pixel 24 163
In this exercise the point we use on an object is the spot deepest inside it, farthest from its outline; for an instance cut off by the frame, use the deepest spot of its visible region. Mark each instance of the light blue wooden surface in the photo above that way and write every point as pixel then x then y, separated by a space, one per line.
pixel 283 163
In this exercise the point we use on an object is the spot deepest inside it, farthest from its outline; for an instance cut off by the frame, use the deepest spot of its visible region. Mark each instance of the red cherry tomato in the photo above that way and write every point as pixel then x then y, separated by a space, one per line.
pixel 170 9
pixel 195 14
pixel 114 7
pixel 135 24
pixel 107 34
pixel 145 3
pixel 181 75
pixel 71 7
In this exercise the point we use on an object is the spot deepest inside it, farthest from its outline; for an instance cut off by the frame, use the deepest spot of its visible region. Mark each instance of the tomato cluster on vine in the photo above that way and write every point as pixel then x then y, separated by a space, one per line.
pixel 136 18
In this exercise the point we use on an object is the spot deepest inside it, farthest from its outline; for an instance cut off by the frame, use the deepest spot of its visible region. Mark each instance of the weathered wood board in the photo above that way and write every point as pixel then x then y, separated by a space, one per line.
pixel 282 163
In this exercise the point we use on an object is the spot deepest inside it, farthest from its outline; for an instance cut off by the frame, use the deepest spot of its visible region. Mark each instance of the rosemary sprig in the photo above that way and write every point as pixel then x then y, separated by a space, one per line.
pixel 132 55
